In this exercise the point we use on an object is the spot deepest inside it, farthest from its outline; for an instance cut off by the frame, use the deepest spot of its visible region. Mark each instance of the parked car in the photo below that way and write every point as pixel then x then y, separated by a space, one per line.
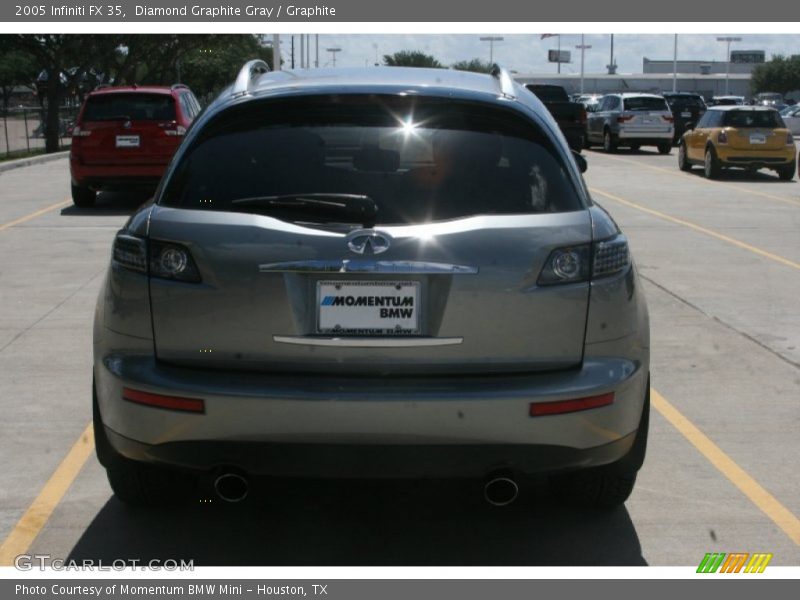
pixel 632 120
pixel 772 99
pixel 570 116
pixel 590 101
pixel 791 117
pixel 687 108
pixel 727 101
pixel 751 137
pixel 124 137
pixel 371 273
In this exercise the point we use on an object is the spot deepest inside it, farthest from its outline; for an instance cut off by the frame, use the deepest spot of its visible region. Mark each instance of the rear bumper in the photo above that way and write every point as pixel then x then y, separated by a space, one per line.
pixel 645 137
pixel 115 176
pixel 748 158
pixel 378 427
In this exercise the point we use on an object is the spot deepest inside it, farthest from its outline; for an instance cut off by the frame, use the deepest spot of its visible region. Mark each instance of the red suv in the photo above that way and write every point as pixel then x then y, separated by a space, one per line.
pixel 125 137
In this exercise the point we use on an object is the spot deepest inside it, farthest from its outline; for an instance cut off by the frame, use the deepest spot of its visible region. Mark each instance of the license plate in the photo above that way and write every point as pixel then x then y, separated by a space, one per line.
pixel 647 121
pixel 127 141
pixel 686 114
pixel 758 138
pixel 368 307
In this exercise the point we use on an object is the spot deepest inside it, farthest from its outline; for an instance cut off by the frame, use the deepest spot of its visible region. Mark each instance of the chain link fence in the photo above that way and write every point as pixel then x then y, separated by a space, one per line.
pixel 22 130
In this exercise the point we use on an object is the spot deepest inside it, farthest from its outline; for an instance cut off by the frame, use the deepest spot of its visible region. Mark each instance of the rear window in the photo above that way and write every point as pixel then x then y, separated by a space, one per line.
pixel 418 159
pixel 681 102
pixel 130 107
pixel 645 103
pixel 547 93
pixel 752 118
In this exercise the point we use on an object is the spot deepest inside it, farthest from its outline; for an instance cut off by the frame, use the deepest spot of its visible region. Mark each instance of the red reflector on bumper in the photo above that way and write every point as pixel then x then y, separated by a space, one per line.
pixel 170 402
pixel 567 406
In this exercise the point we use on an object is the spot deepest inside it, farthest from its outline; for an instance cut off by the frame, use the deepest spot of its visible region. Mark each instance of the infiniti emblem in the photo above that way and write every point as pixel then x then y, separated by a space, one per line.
pixel 369 243
pixel 127 124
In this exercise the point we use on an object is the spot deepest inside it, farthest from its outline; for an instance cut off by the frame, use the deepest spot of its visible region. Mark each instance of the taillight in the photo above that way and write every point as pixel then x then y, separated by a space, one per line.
pixel 624 119
pixel 722 137
pixel 789 139
pixel 78 132
pixel 130 252
pixel 167 260
pixel 574 264
pixel 178 131
pixel 172 261
pixel 668 119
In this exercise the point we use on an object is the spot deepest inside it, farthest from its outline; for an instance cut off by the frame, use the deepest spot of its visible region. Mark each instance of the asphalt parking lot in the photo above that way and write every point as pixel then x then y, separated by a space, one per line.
pixel 721 266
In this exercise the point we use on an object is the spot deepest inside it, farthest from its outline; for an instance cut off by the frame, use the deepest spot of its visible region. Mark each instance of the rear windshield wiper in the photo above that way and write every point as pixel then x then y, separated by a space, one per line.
pixel 361 208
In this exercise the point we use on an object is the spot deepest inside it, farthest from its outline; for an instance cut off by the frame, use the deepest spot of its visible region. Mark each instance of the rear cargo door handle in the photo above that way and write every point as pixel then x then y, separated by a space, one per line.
pixel 391 267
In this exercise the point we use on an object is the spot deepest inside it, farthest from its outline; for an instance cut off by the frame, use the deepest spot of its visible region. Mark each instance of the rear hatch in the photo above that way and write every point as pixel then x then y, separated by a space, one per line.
pixel 687 110
pixel 645 114
pixel 127 128
pixel 755 130
pixel 370 235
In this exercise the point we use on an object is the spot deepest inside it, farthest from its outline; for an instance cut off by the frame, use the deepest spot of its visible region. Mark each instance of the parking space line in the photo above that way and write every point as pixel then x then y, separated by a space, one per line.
pixel 35 214
pixel 683 175
pixel 766 502
pixel 700 228
pixel 40 510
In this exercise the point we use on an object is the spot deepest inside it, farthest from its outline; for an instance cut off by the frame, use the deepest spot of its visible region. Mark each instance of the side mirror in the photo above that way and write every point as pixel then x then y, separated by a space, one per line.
pixel 580 160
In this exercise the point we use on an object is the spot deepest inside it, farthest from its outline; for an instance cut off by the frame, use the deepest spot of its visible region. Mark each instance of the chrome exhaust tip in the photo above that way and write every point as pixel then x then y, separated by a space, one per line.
pixel 500 490
pixel 231 487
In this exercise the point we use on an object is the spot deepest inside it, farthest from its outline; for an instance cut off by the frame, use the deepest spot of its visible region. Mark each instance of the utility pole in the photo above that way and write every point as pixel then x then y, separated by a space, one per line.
pixel 276 52
pixel 491 39
pixel 675 65
pixel 582 47
pixel 728 40
pixel 316 61
pixel 559 53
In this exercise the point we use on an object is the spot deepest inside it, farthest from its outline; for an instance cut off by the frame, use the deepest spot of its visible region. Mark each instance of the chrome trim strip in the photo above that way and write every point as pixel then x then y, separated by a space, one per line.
pixel 367 342
pixel 391 267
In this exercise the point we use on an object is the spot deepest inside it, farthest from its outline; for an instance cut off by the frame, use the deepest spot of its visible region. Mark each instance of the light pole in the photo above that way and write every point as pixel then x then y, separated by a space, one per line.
pixel 675 65
pixel 582 47
pixel 333 52
pixel 491 39
pixel 728 39
pixel 276 52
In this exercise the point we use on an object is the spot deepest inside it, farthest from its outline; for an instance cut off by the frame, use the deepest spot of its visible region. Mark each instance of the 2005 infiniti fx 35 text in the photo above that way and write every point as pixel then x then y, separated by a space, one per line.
pixel 372 273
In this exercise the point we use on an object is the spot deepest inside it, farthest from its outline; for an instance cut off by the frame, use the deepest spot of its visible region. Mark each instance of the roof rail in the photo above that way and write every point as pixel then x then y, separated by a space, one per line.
pixel 177 86
pixel 248 72
pixel 505 80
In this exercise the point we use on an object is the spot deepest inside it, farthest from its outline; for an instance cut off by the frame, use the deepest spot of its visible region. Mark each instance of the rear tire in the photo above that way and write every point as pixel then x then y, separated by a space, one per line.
pixel 683 159
pixel 82 196
pixel 608 486
pixel 711 167
pixel 609 143
pixel 665 148
pixel 786 173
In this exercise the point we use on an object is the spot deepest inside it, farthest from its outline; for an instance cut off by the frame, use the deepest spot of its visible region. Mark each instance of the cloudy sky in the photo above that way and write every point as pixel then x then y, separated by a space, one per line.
pixel 528 53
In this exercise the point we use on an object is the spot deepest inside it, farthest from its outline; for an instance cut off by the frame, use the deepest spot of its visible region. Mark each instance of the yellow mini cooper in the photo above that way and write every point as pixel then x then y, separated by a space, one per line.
pixel 748 137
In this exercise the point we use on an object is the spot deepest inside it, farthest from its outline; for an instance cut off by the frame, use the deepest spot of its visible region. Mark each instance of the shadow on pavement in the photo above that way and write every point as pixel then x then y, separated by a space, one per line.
pixel 110 204
pixel 357 523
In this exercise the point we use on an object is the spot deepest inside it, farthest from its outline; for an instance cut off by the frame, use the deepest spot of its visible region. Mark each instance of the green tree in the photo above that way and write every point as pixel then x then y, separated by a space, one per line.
pixel 17 67
pixel 476 65
pixel 781 74
pixel 411 58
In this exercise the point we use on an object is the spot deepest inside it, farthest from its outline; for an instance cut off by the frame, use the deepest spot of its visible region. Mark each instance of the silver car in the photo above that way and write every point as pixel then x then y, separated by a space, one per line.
pixel 633 120
pixel 371 273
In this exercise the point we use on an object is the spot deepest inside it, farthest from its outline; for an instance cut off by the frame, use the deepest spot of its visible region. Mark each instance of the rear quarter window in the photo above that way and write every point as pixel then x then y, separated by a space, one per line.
pixel 130 106
pixel 418 159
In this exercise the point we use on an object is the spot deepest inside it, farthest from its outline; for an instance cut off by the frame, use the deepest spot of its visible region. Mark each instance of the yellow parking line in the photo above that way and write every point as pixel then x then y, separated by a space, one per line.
pixel 679 173
pixel 35 214
pixel 38 513
pixel 700 228
pixel 766 502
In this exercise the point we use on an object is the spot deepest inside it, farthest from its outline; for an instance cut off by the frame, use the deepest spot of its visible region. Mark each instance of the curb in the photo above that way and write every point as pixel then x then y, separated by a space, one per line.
pixel 32 160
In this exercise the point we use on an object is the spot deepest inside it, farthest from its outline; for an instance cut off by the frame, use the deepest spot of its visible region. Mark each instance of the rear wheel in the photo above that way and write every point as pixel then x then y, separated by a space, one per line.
pixel 83 196
pixel 786 173
pixel 609 143
pixel 711 167
pixel 664 148
pixel 683 159
pixel 608 486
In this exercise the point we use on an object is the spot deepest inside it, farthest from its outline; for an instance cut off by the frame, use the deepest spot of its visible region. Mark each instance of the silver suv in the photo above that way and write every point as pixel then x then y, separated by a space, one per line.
pixel 371 273
pixel 632 120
